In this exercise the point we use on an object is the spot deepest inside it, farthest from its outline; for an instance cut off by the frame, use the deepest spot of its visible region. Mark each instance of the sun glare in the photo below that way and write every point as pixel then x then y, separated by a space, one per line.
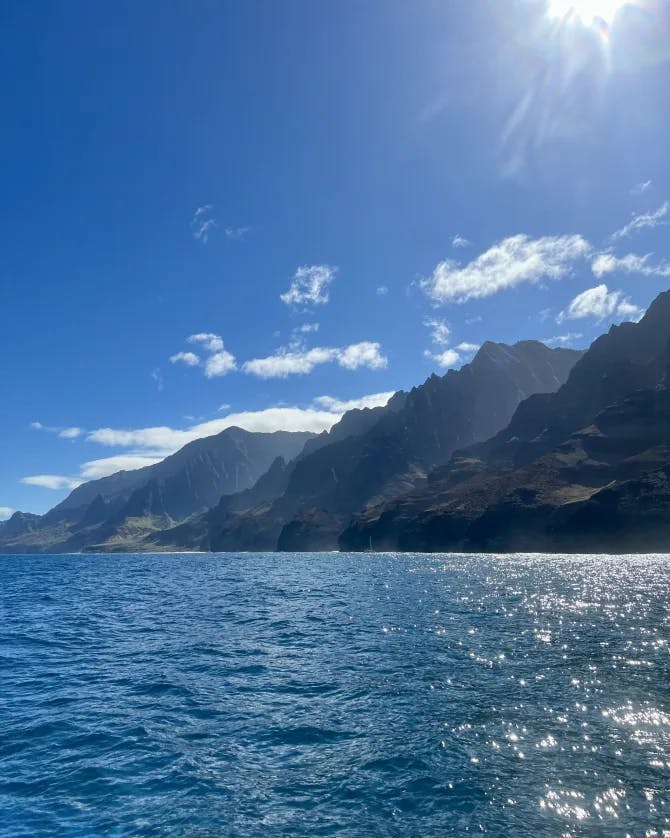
pixel 587 12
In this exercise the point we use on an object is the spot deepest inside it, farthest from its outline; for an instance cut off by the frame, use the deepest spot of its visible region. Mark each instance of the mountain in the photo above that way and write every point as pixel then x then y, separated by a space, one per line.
pixel 119 511
pixel 234 517
pixel 585 468
pixel 364 462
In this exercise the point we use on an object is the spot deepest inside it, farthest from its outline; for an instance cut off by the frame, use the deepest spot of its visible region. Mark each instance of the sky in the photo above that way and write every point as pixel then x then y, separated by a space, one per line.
pixel 266 213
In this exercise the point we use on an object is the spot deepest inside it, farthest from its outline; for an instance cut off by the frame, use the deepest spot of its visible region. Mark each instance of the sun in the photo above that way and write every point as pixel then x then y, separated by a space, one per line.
pixel 586 12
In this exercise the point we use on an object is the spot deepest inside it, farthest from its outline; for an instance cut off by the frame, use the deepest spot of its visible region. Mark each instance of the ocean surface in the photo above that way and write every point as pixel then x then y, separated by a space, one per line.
pixel 334 694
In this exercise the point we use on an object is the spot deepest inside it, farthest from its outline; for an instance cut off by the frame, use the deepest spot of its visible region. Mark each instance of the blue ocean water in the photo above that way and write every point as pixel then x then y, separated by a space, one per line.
pixel 334 694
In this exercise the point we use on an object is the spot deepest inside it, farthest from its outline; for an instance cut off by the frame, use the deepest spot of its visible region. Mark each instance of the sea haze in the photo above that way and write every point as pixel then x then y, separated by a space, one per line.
pixel 334 694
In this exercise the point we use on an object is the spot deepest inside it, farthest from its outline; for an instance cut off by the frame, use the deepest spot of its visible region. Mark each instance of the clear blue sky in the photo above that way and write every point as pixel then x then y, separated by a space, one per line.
pixel 413 177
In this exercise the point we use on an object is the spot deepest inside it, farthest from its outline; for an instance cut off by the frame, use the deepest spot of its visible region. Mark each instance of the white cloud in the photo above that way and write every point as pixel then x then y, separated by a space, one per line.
pixel 158 378
pixel 94 469
pixel 631 263
pixel 63 433
pixel 511 262
pixel 159 437
pixel 202 223
pixel 446 360
pixel 70 433
pixel 459 241
pixel 52 481
pixel 310 285
pixel 334 405
pixel 382 290
pixel 151 445
pixel 221 363
pixel 640 188
pixel 236 232
pixel 302 361
pixel 162 440
pixel 188 358
pixel 366 354
pixel 600 303
pixel 440 335
pixel 286 363
pixel 647 220
pixel 277 419
pixel 209 342
pixel 6 512
pixel 307 328
pixel 563 340
pixel 439 331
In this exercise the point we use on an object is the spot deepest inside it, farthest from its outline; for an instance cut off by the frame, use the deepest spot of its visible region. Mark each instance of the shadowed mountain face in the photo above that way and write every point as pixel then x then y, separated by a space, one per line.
pixel 409 438
pixel 526 448
pixel 585 468
pixel 117 512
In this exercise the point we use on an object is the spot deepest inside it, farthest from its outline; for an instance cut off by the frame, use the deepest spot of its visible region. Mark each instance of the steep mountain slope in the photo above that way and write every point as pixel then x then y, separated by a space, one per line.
pixel 117 512
pixel 332 482
pixel 231 509
pixel 566 474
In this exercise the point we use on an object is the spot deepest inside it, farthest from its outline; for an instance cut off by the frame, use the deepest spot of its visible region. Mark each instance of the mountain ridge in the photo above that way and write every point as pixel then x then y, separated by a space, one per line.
pixel 408 438
pixel 562 457
pixel 189 481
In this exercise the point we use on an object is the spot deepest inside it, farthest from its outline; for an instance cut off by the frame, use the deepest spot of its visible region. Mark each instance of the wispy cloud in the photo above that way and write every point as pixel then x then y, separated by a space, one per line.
pixel 236 232
pixel 310 286
pixel 298 361
pixel 600 303
pixel 563 340
pixel 382 290
pixel 94 469
pixel 157 376
pixel 335 405
pixel 442 354
pixel 459 241
pixel 52 481
pixel 63 433
pixel 641 188
pixel 645 221
pixel 631 263
pixel 307 328
pixel 513 261
pixel 202 223
pixel 440 333
pixel 6 512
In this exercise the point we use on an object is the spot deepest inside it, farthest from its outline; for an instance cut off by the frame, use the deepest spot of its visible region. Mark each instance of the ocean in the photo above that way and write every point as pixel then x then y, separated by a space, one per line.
pixel 334 695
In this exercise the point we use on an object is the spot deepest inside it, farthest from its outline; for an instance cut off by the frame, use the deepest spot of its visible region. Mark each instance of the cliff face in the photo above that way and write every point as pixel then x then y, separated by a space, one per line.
pixel 119 511
pixel 583 469
pixel 329 483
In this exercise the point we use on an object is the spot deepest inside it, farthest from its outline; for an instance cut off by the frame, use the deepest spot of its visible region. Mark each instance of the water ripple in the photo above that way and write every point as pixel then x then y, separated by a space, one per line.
pixel 296 695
